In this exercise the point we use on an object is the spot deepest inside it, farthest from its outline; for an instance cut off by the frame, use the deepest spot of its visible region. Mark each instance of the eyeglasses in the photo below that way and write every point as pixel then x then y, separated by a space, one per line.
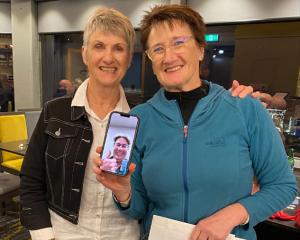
pixel 158 51
pixel 121 145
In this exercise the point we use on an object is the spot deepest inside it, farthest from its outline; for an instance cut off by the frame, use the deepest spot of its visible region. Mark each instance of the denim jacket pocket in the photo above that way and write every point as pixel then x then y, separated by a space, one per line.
pixel 60 138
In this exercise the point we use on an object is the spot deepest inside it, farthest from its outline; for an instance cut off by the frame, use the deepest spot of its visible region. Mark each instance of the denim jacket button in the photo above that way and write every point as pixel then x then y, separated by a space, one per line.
pixel 57 132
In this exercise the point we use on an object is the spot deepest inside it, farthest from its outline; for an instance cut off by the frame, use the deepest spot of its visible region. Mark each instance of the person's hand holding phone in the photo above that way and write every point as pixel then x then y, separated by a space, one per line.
pixel 119 185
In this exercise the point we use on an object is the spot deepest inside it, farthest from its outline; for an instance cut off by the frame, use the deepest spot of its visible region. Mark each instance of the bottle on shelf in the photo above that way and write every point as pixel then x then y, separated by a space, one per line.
pixel 291 160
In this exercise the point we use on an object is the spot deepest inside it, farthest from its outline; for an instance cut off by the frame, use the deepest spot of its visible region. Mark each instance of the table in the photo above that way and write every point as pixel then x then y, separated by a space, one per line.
pixel 17 147
pixel 278 229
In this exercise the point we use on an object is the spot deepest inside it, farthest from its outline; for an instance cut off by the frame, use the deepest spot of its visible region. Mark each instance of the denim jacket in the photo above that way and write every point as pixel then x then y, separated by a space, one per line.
pixel 54 165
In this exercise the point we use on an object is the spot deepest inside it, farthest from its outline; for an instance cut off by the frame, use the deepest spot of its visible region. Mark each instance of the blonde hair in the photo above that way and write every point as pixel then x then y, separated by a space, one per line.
pixel 110 20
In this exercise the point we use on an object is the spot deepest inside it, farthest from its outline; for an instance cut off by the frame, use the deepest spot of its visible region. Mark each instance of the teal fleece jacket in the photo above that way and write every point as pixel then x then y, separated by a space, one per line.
pixel 188 173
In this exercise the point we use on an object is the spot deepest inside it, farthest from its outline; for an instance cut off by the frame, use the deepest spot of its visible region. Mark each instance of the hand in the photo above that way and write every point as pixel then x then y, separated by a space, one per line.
pixel 240 90
pixel 108 154
pixel 258 95
pixel 265 98
pixel 219 225
pixel 119 185
pixel 109 163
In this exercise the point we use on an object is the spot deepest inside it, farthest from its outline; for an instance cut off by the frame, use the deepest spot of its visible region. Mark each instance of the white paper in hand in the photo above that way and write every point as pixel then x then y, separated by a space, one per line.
pixel 165 228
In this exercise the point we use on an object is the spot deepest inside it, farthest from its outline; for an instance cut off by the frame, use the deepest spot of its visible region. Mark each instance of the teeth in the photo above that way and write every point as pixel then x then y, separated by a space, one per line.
pixel 108 69
pixel 173 69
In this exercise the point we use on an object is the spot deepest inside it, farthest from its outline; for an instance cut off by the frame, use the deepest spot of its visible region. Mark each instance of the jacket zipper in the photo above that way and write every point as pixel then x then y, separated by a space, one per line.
pixel 184 167
pixel 184 173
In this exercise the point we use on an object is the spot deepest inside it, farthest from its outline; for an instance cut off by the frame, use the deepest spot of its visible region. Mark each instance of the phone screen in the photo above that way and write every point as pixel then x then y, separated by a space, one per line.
pixel 119 141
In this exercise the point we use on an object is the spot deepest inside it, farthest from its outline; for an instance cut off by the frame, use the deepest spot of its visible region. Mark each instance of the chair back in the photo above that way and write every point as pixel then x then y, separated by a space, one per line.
pixel 32 118
pixel 12 128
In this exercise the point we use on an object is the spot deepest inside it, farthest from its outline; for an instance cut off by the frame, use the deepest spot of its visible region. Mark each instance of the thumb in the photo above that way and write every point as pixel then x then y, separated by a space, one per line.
pixel 108 154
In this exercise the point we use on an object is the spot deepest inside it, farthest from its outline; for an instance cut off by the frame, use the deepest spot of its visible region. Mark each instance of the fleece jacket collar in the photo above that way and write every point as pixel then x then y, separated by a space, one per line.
pixel 170 109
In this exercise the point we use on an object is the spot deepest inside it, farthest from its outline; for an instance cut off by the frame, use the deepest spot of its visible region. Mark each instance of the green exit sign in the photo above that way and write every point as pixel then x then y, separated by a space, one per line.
pixel 212 37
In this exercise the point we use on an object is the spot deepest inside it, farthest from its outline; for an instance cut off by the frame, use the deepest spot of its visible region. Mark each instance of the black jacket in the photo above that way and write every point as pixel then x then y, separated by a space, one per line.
pixel 53 169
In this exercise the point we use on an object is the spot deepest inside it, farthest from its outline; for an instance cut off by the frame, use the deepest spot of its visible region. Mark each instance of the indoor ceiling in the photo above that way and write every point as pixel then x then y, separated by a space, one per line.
pixel 35 0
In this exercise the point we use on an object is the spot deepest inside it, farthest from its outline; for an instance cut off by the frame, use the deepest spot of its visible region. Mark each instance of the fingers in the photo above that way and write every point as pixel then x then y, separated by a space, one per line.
pixel 264 98
pixel 235 84
pixel 96 168
pixel 256 94
pixel 236 91
pixel 100 178
pixel 97 161
pixel 108 154
pixel 235 88
pixel 99 149
pixel 242 91
pixel 202 236
pixel 101 175
pixel 131 168
pixel 246 91
pixel 195 233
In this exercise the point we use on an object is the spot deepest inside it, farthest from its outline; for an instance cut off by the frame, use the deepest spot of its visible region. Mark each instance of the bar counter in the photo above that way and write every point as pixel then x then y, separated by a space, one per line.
pixel 278 229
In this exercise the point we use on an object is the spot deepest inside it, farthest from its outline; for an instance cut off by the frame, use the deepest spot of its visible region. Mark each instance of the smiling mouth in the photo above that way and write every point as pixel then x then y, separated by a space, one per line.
pixel 173 69
pixel 108 69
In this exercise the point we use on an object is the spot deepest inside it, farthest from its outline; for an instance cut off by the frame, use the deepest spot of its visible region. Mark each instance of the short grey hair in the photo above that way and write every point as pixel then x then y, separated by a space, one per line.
pixel 110 20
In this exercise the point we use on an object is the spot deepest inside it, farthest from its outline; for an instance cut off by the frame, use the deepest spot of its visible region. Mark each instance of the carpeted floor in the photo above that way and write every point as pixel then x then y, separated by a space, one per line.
pixel 10 226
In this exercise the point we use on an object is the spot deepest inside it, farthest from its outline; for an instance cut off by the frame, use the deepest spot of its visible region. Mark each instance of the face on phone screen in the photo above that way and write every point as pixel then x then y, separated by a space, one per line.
pixel 119 142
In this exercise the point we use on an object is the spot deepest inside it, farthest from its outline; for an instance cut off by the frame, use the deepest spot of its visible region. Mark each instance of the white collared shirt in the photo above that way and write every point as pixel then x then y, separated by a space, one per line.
pixel 99 219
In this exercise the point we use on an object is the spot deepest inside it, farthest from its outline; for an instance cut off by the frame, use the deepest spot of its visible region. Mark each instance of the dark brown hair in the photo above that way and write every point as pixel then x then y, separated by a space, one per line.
pixel 168 13
pixel 121 136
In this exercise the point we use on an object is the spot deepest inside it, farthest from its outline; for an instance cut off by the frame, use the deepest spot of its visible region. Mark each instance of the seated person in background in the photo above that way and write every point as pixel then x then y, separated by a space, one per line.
pixel 269 101
pixel 66 88
pixel 117 162
pixel 77 83
pixel 6 96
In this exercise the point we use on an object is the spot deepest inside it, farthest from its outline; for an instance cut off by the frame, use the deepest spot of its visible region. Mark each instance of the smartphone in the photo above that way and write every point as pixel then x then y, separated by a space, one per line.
pixel 118 144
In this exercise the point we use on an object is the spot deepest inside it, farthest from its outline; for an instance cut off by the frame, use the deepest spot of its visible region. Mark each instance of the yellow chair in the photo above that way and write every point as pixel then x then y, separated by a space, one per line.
pixel 12 128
